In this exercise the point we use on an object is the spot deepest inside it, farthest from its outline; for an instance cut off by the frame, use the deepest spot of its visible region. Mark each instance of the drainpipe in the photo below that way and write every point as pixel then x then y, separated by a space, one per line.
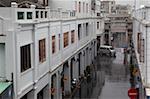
pixel 146 55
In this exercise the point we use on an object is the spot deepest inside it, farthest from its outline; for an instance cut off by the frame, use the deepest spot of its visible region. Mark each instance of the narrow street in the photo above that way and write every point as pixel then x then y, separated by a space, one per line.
pixel 111 80
pixel 116 77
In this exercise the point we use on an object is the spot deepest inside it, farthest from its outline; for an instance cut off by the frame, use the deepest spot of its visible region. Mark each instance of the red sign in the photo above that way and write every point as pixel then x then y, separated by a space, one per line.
pixel 132 93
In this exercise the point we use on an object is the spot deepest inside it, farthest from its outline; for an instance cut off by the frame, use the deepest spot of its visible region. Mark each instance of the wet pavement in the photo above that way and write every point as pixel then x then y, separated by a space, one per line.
pixel 116 77
pixel 109 81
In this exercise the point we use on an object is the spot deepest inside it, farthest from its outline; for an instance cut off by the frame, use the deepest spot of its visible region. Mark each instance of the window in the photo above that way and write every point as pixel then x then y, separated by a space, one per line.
pixel 76 6
pixel 93 5
pixel 45 2
pixel 66 39
pixel 25 57
pixel 37 14
pixel 139 42
pixel 142 51
pixel 72 36
pixel 29 15
pixel 84 30
pixel 79 31
pixel 42 50
pixel 144 16
pixel 41 14
pixel 79 7
pixel 97 25
pixel 45 14
pixel 83 7
pixel 87 8
pixel 59 41
pixel 20 15
pixel 87 26
pixel 53 44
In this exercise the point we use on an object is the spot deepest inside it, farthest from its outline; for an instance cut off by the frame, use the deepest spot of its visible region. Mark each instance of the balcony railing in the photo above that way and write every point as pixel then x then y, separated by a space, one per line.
pixel 33 15
pixel 57 14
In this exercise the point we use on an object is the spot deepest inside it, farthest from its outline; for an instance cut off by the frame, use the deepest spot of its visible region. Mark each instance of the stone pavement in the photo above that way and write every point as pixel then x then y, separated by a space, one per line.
pixel 115 90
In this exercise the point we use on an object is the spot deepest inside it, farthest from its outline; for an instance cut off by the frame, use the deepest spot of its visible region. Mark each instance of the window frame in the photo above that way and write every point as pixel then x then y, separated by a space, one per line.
pixel 53 44
pixel 87 7
pixel 66 39
pixel 22 15
pixel 98 25
pixel 79 7
pixel 25 57
pixel 29 13
pixel 59 41
pixel 87 29
pixel 79 31
pixel 42 50
pixel 83 7
pixel 72 36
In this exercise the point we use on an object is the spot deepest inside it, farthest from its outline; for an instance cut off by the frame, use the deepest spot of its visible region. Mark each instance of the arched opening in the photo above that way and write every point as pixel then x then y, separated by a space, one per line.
pixel 65 80
pixel 53 86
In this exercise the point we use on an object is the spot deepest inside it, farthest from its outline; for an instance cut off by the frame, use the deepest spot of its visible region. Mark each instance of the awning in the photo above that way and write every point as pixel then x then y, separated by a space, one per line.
pixel 4 86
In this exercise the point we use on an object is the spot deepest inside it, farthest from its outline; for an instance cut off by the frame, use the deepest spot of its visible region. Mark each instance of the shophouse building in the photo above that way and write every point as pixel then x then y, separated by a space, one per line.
pixel 141 38
pixel 43 48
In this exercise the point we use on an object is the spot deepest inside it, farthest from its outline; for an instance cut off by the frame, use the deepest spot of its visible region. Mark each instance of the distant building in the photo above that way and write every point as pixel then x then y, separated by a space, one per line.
pixel 24 3
pixel 107 7
pixel 118 26
pixel 123 9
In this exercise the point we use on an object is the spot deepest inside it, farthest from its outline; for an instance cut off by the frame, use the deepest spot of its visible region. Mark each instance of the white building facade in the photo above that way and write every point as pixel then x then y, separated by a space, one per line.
pixel 43 50
pixel 141 38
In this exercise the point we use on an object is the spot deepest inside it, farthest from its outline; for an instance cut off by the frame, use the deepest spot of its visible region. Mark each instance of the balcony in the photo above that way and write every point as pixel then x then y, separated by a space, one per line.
pixel 62 15
pixel 29 15
pixel 32 15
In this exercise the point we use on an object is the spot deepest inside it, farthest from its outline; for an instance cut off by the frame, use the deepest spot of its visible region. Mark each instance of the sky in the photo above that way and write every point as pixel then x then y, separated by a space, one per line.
pixel 132 2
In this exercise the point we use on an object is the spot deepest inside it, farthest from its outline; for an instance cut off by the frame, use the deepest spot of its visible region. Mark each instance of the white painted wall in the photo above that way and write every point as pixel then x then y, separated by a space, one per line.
pixel 139 26
pixel 148 55
pixel 41 33
pixel 20 34
pixel 55 59
pixel 24 79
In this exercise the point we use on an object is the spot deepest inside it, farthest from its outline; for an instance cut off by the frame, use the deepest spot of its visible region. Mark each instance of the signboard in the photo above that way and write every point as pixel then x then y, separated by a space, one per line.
pixel 132 93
